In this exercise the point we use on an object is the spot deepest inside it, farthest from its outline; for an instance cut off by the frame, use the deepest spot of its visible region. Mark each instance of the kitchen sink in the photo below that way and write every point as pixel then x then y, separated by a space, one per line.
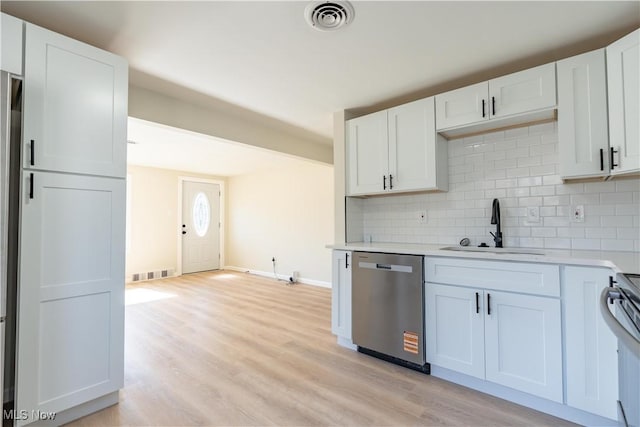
pixel 509 251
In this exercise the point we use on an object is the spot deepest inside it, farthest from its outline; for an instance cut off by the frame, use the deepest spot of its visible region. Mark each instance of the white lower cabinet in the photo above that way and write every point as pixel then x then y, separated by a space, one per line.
pixel 341 294
pixel 508 338
pixel 590 346
pixel 523 343
pixel 455 329
pixel 70 342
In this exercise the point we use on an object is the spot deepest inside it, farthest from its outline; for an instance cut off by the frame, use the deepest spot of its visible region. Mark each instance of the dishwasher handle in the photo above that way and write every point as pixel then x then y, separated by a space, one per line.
pixel 386 267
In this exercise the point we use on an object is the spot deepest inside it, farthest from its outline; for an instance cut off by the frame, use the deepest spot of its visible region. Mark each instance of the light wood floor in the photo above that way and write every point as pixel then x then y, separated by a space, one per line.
pixel 235 349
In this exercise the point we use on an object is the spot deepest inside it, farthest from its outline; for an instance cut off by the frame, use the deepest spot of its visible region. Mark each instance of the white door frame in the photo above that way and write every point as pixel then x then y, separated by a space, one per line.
pixel 181 181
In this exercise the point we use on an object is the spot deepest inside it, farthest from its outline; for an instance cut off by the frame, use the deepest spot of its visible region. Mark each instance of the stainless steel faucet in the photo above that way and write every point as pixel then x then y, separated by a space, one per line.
pixel 495 219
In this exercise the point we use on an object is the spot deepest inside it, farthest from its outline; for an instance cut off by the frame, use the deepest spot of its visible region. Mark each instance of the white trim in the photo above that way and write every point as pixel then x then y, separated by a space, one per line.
pixel 347 343
pixel 181 181
pixel 306 281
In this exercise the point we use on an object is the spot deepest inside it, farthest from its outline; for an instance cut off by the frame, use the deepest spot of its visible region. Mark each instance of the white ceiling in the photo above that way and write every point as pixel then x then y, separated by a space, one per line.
pixel 263 56
pixel 165 147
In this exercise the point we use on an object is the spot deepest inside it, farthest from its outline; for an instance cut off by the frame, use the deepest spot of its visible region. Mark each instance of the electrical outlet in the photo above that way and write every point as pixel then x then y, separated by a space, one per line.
pixel 422 217
pixel 533 214
pixel 577 213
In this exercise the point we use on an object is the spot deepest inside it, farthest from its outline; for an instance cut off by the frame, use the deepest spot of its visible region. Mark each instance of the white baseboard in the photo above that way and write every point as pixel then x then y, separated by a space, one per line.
pixel 284 277
pixel 543 405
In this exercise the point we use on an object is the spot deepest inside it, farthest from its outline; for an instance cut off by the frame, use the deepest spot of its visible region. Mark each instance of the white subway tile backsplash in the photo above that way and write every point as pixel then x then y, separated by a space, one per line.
pixel 557 243
pixel 617 245
pixel 543 190
pixel 520 168
pixel 586 244
pixel 613 198
pixel 571 231
pixel 628 185
pixel 617 221
pixel 543 169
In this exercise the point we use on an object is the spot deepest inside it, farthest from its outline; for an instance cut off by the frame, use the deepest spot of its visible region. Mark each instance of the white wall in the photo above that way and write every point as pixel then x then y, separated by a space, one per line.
pixel 154 215
pixel 285 213
pixel 520 168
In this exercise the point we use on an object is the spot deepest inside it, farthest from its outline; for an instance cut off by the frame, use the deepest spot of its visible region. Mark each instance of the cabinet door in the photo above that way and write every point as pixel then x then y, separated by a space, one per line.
pixel 341 294
pixel 454 336
pixel 590 346
pixel 11 42
pixel 623 69
pixel 70 337
pixel 75 105
pixel 367 154
pixel 462 106
pixel 412 146
pixel 583 132
pixel 521 92
pixel 523 345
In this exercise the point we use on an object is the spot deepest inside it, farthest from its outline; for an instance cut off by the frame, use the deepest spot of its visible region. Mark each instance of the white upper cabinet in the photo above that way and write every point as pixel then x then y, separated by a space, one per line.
pixel 517 98
pixel 583 133
pixel 367 154
pixel 462 106
pixel 74 98
pixel 417 155
pixel 623 83
pixel 396 150
pixel 11 44
pixel 528 90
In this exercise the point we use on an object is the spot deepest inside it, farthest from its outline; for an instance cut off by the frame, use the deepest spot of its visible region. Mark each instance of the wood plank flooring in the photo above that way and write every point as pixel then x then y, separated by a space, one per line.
pixel 235 349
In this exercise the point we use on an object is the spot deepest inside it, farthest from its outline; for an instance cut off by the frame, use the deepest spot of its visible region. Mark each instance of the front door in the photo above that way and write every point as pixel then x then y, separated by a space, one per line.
pixel 200 226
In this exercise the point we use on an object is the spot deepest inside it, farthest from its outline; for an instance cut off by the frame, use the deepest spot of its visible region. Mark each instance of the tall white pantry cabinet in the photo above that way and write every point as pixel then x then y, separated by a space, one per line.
pixel 70 338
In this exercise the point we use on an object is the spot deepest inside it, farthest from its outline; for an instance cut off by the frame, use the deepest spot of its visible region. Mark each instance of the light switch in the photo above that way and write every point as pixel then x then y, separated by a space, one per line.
pixel 578 213
pixel 422 217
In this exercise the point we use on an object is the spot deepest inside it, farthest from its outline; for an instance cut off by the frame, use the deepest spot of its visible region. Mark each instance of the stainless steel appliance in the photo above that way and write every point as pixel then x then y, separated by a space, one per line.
pixel 625 324
pixel 388 307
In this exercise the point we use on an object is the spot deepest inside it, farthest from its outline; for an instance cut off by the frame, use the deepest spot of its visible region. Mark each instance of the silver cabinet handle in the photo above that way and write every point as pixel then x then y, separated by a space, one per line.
pixel 618 330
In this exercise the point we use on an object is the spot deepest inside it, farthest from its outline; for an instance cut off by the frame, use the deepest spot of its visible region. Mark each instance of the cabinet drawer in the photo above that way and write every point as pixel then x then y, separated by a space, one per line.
pixel 538 279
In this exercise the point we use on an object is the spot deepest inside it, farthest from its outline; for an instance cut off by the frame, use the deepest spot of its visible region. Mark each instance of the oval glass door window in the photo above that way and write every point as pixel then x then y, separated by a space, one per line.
pixel 201 214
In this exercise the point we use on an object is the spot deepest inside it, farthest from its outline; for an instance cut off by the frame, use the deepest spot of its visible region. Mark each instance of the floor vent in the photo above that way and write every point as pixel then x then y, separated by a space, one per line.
pixel 152 275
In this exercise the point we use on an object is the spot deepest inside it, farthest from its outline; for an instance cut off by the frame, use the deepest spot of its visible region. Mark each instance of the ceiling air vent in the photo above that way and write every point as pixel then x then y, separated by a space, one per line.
pixel 329 15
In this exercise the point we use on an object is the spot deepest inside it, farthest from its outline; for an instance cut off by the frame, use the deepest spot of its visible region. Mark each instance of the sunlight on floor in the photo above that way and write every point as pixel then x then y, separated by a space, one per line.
pixel 142 295
pixel 224 276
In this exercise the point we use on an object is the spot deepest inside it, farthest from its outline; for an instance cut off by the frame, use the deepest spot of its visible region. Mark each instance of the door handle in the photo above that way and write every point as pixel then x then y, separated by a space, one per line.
pixel 601 159
pixel 346 262
pixel 613 165
pixel 477 302
pixel 390 182
pixel 31 186
pixel 384 182
pixel 483 112
pixel 489 304
pixel 493 105
pixel 32 148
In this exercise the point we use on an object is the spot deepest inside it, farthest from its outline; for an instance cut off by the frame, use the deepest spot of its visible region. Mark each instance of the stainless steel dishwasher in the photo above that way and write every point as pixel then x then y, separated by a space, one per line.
pixel 388 307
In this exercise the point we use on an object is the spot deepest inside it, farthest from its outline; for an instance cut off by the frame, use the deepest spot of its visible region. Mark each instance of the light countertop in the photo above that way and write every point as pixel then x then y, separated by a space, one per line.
pixel 626 262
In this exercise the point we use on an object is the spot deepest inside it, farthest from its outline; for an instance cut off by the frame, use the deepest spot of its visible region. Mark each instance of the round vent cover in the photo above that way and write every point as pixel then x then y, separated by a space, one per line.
pixel 329 15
